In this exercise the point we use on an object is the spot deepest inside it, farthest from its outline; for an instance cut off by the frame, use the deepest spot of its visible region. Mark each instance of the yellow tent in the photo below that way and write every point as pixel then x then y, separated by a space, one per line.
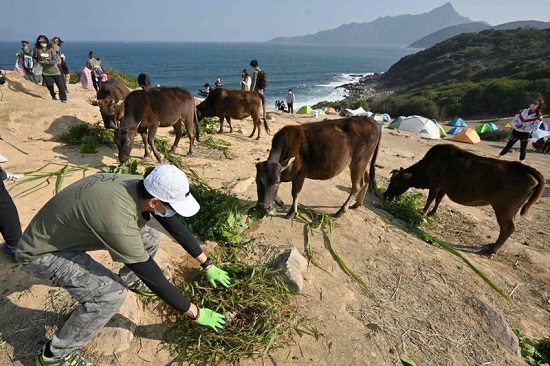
pixel 468 135
pixel 330 110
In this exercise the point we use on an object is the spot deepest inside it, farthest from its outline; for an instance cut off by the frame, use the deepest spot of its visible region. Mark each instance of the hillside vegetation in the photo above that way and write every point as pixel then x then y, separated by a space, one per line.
pixel 491 73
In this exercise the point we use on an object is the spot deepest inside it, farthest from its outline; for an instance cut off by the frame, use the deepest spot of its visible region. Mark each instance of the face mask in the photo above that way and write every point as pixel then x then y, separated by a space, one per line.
pixel 43 45
pixel 167 213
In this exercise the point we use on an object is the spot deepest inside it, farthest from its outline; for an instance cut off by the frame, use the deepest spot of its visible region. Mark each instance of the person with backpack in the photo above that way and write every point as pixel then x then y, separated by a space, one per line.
pixel 25 54
pixel 46 56
pixel 259 78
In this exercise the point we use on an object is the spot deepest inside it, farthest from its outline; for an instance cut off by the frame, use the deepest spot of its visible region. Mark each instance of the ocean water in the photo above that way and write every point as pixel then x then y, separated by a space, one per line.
pixel 312 71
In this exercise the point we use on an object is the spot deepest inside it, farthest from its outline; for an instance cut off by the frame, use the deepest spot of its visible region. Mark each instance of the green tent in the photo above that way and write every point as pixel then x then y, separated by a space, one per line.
pixel 304 110
pixel 396 122
pixel 442 132
pixel 486 127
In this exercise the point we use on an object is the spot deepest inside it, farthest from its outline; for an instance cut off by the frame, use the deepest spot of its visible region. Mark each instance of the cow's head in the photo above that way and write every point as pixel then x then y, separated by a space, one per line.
pixel 124 139
pixel 399 183
pixel 268 179
pixel 108 108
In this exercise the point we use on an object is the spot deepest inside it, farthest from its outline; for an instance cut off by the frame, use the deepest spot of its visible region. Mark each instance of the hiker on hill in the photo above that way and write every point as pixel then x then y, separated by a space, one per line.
pixel 55 244
pixel 27 60
pixel 525 122
pixel 45 55
pixel 255 86
pixel 246 80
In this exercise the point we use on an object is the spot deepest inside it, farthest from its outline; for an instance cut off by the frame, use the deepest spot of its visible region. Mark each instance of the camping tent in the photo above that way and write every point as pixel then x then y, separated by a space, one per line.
pixel 396 122
pixel 354 112
pixel 386 117
pixel 543 126
pixel 486 127
pixel 421 126
pixel 320 112
pixel 455 131
pixel 458 122
pixel 381 118
pixel 539 134
pixel 330 110
pixel 468 135
pixel 304 110
pixel 442 132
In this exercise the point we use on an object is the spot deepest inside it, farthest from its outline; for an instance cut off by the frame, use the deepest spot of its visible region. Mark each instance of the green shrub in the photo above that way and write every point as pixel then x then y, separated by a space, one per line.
pixel 498 135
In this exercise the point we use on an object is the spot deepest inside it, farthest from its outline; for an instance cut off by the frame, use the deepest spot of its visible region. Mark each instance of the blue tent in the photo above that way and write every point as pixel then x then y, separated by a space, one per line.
pixel 543 126
pixel 458 122
pixel 454 131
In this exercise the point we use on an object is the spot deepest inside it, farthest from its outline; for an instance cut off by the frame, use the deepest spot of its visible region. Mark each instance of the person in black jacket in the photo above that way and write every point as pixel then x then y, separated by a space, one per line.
pixel 10 226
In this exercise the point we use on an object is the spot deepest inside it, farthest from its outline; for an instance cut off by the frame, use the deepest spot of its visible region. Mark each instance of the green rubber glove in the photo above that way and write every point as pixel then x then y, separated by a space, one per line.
pixel 214 274
pixel 211 319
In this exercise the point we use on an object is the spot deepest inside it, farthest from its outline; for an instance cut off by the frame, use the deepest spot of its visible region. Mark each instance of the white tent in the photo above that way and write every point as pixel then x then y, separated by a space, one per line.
pixel 354 112
pixel 421 126
pixel 539 134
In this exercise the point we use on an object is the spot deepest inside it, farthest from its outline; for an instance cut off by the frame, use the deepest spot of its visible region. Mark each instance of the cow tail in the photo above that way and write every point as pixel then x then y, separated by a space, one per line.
pixel 372 183
pixel 267 130
pixel 197 126
pixel 537 192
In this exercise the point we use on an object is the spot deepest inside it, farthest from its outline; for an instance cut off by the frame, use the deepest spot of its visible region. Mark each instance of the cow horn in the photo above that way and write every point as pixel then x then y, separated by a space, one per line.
pixel 119 102
pixel 138 125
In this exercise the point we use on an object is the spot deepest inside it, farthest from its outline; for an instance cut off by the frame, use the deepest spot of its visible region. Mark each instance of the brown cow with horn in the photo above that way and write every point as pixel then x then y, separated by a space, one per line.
pixel 320 150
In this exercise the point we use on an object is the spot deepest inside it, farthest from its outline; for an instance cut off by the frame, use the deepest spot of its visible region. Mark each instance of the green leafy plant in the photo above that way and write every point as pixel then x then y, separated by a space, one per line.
pixel 315 220
pixel 405 207
pixel 41 179
pixel 535 354
pixel 260 316
pixel 84 133
pixel 130 166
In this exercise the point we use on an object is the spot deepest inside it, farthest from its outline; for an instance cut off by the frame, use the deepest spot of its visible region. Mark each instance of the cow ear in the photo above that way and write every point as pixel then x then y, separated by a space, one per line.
pixel 407 176
pixel 287 163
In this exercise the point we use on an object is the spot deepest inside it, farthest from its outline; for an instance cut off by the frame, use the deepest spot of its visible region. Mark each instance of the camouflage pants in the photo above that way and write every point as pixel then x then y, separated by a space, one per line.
pixel 99 292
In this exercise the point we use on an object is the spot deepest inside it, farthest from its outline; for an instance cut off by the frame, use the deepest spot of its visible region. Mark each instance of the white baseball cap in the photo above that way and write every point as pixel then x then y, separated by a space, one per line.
pixel 169 184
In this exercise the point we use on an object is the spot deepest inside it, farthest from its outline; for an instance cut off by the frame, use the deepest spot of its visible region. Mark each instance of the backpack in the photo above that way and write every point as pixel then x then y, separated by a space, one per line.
pixel 261 82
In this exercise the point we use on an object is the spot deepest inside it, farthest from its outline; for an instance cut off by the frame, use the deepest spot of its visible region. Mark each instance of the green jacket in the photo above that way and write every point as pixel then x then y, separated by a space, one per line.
pixel 48 58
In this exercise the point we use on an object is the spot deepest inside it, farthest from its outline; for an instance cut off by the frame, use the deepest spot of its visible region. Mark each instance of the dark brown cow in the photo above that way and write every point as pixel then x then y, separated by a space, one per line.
pixel 472 180
pixel 110 98
pixel 226 104
pixel 147 110
pixel 319 150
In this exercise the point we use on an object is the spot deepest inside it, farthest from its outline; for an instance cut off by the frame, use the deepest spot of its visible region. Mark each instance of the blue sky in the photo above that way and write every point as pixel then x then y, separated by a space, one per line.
pixel 231 20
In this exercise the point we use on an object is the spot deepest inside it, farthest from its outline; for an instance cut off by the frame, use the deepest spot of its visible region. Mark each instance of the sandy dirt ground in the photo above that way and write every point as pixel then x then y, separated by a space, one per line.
pixel 426 303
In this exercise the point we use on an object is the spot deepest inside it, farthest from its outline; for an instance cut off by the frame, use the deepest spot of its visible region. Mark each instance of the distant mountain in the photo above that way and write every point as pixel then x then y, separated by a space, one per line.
pixel 454 30
pixel 403 29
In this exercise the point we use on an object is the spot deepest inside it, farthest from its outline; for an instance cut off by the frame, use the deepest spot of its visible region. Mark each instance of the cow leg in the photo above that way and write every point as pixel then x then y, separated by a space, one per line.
pixel 229 123
pixel 145 146
pixel 438 199
pixel 221 118
pixel 362 192
pixel 297 184
pixel 151 141
pixel 505 219
pixel 358 182
pixel 254 129
pixel 178 132
pixel 432 194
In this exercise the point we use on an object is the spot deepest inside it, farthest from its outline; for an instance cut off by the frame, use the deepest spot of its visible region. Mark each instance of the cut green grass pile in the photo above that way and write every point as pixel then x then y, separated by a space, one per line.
pixel 260 316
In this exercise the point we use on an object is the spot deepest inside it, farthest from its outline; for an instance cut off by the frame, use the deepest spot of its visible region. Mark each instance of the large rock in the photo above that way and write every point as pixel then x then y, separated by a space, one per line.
pixel 294 264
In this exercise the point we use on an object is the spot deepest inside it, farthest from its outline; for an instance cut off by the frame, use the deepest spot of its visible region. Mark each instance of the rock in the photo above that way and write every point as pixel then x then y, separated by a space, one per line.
pixel 294 264
pixel 118 334
pixel 499 329
pixel 241 186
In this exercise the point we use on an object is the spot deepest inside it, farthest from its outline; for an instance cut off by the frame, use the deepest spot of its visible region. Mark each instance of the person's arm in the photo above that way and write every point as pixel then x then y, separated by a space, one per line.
pixel 150 273
pixel 183 236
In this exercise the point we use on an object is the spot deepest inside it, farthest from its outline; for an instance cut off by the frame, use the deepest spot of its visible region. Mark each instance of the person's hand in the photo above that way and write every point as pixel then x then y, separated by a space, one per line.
pixel 210 318
pixel 214 274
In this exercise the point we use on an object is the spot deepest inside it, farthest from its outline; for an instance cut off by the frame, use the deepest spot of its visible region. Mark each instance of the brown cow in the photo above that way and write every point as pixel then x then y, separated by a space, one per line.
pixel 147 110
pixel 319 150
pixel 238 104
pixel 472 180
pixel 110 98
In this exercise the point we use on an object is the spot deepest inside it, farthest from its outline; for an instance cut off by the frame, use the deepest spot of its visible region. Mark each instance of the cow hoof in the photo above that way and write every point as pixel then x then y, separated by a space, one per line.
pixel 487 251
pixel 337 214
pixel 257 138
pixel 290 215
